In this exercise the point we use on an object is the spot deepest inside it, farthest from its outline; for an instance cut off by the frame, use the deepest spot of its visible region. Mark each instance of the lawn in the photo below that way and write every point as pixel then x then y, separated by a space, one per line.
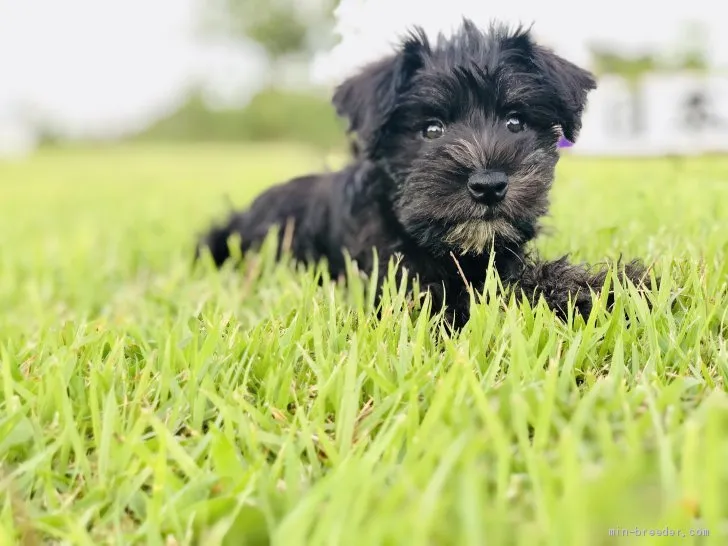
pixel 142 402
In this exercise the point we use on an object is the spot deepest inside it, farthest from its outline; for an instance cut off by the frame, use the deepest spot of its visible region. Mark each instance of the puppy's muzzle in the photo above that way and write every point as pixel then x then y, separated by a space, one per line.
pixel 488 187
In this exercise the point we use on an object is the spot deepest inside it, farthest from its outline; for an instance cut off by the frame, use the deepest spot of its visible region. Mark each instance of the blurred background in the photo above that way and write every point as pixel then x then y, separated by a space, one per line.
pixel 91 72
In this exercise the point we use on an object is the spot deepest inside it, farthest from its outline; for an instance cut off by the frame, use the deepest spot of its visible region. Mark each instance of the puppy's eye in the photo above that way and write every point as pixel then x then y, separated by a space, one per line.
pixel 434 130
pixel 514 124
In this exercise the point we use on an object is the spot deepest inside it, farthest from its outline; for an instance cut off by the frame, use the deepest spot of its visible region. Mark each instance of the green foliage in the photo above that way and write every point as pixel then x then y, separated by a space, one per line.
pixel 272 115
pixel 695 45
pixel 280 32
pixel 281 27
pixel 690 53
pixel 631 68
pixel 142 402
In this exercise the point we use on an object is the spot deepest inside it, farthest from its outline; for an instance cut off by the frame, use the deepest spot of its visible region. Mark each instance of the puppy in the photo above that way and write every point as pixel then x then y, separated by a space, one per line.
pixel 455 146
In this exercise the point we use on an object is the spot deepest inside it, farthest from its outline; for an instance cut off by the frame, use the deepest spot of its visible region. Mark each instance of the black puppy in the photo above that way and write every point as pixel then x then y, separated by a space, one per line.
pixel 454 159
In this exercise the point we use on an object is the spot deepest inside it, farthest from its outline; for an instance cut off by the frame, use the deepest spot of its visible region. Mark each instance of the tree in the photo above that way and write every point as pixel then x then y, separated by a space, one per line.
pixel 692 51
pixel 288 30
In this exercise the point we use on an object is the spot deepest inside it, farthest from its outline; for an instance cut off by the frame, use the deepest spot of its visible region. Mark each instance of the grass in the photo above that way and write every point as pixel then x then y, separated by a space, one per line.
pixel 142 403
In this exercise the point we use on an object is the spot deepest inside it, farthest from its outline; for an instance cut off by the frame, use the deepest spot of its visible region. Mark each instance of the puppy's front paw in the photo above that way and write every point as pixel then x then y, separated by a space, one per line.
pixel 457 316
pixel 456 311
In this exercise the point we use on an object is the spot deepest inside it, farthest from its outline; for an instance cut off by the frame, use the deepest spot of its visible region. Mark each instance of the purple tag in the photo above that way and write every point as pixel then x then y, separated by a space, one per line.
pixel 563 143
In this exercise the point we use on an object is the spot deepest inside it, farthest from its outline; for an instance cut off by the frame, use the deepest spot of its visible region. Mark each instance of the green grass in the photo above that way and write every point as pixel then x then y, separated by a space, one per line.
pixel 143 403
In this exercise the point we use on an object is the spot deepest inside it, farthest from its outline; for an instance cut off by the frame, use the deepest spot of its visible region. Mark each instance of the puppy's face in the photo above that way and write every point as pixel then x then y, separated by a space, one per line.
pixel 471 160
pixel 468 132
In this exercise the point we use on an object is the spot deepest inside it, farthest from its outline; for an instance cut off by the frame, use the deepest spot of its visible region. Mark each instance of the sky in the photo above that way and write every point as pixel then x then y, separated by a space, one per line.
pixel 92 60
pixel 95 65
pixel 368 27
pixel 110 65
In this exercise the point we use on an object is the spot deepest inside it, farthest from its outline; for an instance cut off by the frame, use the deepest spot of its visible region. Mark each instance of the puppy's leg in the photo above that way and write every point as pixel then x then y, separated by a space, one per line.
pixel 457 308
pixel 454 302
pixel 559 282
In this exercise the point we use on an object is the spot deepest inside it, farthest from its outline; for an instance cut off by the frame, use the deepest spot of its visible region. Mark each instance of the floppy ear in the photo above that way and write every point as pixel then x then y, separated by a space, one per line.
pixel 572 84
pixel 368 98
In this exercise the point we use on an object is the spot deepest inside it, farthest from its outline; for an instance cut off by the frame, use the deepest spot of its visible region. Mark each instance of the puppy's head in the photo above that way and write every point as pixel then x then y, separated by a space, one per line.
pixel 467 129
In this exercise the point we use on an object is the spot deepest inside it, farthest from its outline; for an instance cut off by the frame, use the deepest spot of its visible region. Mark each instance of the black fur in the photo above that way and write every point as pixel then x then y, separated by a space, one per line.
pixel 406 195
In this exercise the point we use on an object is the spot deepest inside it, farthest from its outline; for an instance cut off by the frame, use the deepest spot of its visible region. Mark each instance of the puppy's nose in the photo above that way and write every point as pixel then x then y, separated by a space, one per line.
pixel 488 186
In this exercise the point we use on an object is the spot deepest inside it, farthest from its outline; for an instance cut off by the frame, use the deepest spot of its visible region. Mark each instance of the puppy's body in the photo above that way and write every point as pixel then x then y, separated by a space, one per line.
pixel 454 159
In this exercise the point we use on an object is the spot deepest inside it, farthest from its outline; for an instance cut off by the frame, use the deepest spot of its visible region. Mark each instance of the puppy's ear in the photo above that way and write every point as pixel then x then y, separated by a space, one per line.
pixel 572 84
pixel 368 98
